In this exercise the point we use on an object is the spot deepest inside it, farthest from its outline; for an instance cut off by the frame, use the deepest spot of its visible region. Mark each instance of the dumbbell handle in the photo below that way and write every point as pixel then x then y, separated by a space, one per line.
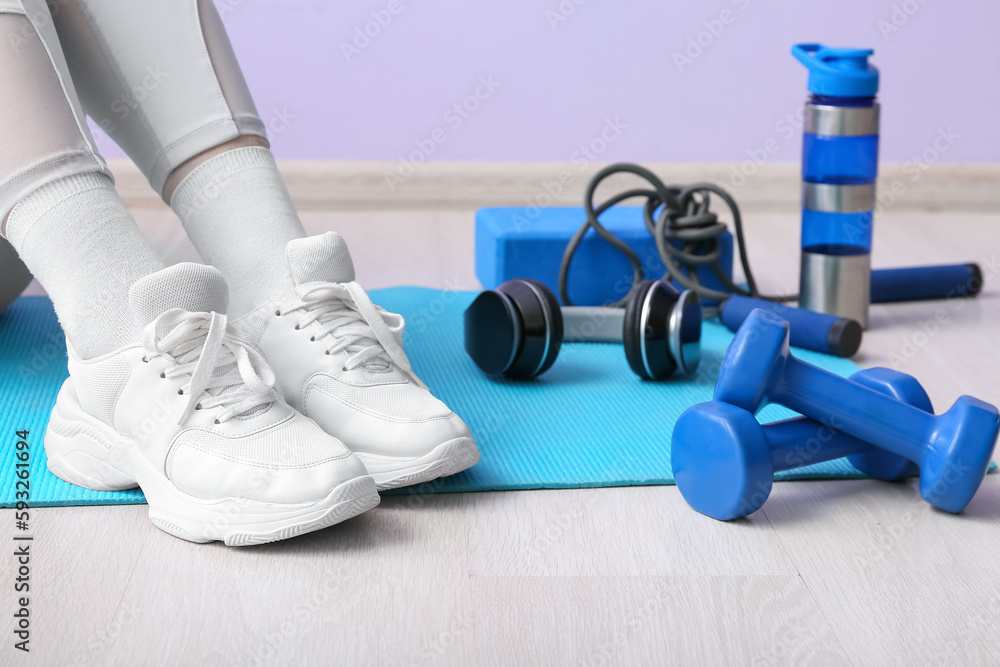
pixel 592 324
pixel 888 423
pixel 789 443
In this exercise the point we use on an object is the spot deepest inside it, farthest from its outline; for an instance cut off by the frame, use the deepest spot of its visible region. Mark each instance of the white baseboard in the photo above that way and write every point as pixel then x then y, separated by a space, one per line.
pixel 379 185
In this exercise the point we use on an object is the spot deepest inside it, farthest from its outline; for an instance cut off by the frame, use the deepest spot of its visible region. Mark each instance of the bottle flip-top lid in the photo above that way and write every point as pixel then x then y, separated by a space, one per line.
pixel 838 72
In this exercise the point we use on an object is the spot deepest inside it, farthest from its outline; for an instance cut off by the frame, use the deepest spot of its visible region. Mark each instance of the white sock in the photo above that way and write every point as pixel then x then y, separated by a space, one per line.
pixel 83 245
pixel 238 214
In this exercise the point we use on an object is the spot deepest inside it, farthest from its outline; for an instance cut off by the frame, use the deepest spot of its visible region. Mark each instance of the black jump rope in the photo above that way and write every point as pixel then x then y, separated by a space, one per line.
pixel 671 213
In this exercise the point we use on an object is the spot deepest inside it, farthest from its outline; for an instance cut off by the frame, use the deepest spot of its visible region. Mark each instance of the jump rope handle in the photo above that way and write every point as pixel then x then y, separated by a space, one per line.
pixel 840 336
pixel 809 330
pixel 921 283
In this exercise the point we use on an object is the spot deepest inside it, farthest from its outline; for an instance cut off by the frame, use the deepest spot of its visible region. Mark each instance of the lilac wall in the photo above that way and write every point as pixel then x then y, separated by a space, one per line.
pixel 559 82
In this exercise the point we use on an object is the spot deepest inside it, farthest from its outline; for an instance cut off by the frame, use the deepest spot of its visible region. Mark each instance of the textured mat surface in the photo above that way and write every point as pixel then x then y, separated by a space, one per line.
pixel 587 422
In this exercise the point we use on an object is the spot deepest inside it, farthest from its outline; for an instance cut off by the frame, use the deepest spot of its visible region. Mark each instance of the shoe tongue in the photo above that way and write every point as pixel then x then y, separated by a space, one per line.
pixel 322 258
pixel 193 287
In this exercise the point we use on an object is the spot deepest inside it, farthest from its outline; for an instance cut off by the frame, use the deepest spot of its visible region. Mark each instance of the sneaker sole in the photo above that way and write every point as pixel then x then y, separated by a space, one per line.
pixel 446 459
pixel 86 452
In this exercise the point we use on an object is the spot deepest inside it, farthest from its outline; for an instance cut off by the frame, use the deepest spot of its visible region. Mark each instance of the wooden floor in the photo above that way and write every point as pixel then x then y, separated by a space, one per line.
pixel 828 573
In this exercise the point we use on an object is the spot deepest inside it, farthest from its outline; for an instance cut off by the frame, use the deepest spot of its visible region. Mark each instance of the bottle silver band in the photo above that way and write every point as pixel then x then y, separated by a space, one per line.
pixel 838 198
pixel 836 284
pixel 841 121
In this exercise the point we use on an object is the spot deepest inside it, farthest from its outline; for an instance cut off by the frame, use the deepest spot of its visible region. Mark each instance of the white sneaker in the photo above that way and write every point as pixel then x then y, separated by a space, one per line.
pixel 191 417
pixel 339 360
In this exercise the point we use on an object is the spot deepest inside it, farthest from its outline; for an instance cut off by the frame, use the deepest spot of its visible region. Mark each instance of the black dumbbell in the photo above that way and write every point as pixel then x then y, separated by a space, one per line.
pixel 517 329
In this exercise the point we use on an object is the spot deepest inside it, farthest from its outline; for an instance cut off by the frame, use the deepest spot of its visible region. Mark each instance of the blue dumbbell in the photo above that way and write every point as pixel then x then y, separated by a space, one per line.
pixel 953 449
pixel 724 461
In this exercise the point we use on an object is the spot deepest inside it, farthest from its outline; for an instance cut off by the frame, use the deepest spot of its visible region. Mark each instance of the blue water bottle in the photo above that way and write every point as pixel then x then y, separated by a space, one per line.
pixel 839 165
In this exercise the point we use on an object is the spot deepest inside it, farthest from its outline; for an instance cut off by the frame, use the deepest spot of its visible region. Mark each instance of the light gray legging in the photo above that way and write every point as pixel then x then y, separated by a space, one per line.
pixel 159 76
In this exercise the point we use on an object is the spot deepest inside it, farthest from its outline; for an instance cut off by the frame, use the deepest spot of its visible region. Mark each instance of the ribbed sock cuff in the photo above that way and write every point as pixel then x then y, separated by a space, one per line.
pixel 200 186
pixel 32 208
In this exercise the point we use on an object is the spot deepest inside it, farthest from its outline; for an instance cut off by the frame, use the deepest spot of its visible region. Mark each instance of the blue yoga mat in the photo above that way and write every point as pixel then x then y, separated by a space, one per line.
pixel 587 422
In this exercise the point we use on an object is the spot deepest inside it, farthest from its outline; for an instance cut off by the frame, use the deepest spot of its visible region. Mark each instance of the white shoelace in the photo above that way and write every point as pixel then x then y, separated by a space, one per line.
pixel 349 320
pixel 198 344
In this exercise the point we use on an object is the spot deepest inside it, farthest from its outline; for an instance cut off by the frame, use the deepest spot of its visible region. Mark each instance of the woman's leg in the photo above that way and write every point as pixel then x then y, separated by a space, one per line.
pixel 14 275
pixel 162 79
pixel 181 408
pixel 58 207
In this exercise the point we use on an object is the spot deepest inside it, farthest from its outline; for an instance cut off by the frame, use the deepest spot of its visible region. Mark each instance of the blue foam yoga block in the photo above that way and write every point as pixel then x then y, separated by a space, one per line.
pixel 522 242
